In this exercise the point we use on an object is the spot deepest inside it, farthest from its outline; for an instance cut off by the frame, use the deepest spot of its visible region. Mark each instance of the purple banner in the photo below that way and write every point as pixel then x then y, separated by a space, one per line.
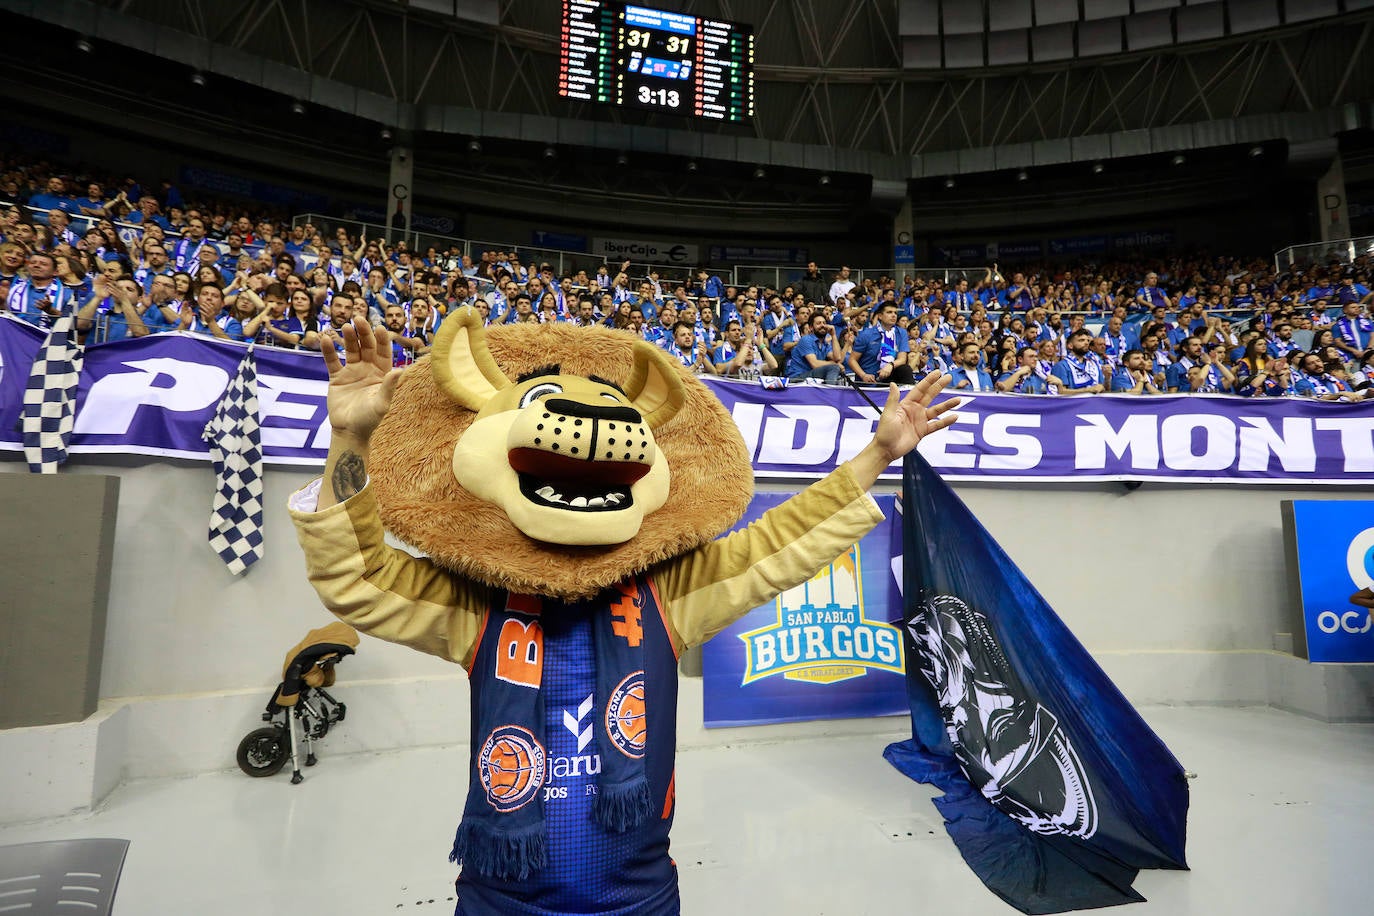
pixel 154 395
pixel 805 431
pixel 831 648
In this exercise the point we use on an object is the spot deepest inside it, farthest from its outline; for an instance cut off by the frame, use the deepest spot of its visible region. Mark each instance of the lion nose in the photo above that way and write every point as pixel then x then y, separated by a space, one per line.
pixel 566 437
pixel 570 408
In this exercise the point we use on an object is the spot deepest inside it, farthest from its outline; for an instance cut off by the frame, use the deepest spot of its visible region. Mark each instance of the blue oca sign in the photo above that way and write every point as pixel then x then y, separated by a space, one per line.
pixel 1331 561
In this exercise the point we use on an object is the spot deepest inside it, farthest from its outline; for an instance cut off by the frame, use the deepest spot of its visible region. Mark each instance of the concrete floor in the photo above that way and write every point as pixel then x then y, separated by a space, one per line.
pixel 1282 823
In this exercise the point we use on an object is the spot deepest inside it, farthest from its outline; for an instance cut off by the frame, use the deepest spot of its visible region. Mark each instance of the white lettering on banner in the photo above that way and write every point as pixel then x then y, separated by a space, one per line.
pixel 1138 434
pixel 1293 447
pixel 749 418
pixel 820 427
pixel 1357 440
pixel 1026 450
pixel 814 643
pixel 270 404
pixel 1330 622
pixel 1218 442
pixel 855 433
pixel 936 449
pixel 113 400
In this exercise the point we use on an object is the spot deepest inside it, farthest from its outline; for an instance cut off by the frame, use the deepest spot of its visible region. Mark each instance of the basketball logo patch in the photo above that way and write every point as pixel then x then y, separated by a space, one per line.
pixel 625 719
pixel 511 767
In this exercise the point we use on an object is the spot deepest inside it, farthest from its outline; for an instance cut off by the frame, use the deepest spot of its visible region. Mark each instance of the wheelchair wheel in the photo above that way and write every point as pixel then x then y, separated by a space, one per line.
pixel 263 751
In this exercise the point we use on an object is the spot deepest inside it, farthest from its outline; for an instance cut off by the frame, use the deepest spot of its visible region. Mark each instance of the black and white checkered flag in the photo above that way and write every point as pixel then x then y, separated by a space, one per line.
pixel 236 450
pixel 50 398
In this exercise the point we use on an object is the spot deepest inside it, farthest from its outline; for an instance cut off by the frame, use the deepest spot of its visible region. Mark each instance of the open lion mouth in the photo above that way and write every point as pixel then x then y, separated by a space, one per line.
pixel 548 479
pixel 578 495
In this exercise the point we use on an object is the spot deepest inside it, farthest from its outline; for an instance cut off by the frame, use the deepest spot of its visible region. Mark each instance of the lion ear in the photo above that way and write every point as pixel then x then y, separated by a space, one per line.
pixel 654 386
pixel 462 365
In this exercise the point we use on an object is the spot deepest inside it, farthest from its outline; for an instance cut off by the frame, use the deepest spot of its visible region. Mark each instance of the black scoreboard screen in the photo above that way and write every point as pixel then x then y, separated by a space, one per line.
pixel 636 57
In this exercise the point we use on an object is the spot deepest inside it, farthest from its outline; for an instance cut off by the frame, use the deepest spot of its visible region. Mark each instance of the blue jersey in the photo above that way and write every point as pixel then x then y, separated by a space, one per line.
pixel 1029 384
pixel 877 348
pixel 797 363
pixel 590 869
pixel 787 335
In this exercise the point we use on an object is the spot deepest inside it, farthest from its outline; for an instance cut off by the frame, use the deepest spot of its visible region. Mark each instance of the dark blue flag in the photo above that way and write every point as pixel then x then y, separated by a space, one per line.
pixel 1056 791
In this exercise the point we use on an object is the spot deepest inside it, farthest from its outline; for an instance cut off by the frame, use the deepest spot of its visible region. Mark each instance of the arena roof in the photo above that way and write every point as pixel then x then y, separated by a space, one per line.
pixel 895 90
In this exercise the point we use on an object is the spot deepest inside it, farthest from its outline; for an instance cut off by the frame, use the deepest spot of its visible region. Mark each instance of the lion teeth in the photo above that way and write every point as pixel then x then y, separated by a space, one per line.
pixel 613 499
pixel 596 502
pixel 546 492
pixel 578 502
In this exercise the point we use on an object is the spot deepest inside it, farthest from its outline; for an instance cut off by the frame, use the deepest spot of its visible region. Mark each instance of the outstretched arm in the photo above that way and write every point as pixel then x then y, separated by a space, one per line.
pixel 706 590
pixel 905 422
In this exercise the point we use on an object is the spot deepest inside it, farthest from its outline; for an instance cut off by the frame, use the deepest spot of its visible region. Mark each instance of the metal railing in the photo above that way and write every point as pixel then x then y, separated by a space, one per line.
pixel 563 263
pixel 780 277
pixel 1320 253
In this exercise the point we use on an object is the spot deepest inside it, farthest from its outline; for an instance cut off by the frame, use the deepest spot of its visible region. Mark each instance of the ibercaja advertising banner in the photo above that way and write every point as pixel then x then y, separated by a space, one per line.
pixel 830 648
pixel 1330 545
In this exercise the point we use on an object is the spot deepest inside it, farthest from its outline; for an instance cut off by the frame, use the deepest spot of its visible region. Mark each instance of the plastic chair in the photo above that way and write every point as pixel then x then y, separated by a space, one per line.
pixel 61 876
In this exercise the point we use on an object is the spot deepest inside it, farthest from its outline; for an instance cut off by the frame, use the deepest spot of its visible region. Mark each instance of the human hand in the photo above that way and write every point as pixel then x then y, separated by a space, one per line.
pixel 360 389
pixel 907 420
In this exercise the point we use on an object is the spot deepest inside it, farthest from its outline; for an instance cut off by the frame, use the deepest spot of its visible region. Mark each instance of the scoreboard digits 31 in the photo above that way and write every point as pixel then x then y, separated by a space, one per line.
pixel 621 54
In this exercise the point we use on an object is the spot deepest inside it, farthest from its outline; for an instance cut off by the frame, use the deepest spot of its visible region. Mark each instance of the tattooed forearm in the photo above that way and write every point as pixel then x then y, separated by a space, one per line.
pixel 350 475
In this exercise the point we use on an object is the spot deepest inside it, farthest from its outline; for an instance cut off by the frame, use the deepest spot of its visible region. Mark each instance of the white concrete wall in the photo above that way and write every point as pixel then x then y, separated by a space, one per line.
pixel 1179 591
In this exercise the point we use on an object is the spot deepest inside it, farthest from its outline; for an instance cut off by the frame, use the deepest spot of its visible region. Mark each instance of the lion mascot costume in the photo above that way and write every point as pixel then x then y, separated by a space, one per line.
pixel 567 487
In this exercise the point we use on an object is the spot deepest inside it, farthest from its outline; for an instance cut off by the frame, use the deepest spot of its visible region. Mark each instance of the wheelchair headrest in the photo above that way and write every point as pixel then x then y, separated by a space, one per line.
pixel 337 639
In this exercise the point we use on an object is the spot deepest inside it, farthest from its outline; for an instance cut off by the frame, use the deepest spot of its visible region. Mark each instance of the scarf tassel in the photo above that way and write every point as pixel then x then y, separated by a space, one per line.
pixel 625 806
pixel 507 855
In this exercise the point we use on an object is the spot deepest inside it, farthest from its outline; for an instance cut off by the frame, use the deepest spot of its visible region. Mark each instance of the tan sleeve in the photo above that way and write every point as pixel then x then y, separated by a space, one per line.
pixel 385 592
pixel 711 587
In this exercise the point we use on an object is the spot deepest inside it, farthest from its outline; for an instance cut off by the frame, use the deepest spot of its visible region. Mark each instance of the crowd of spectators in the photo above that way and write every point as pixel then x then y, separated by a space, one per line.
pixel 129 260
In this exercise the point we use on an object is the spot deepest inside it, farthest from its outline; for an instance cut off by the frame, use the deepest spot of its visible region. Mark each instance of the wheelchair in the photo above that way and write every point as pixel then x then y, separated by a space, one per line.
pixel 300 704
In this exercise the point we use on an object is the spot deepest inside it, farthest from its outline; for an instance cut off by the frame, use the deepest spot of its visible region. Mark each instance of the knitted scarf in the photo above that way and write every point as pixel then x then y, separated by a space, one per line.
pixel 502 832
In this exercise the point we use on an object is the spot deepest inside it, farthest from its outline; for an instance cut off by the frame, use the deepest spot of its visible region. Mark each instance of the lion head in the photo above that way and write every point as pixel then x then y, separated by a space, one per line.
pixel 554 460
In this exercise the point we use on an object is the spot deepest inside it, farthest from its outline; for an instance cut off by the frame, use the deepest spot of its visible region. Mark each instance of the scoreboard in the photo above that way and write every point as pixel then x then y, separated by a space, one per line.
pixel 632 56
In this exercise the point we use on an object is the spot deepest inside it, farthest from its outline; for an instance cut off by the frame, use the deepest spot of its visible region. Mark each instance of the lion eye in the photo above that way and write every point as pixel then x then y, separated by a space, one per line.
pixel 541 390
pixel 610 397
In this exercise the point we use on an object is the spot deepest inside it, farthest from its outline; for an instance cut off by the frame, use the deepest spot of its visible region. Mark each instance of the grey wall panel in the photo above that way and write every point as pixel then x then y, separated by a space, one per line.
pixel 1303 10
pixel 1130 143
pixel 1354 5
pixel 788 155
pixel 1100 36
pixel 1049 12
pixel 1149 30
pixel 921 53
pixel 1014 155
pixel 1149 6
pixel 59 538
pixel 818 158
pixel 1012 47
pixel 1102 9
pixel 1052 42
pixel 1096 146
pixel 962 17
pixel 981 159
pixel 918 17
pixel 1253 15
pixel 1009 14
pixel 963 51
pixel 1201 23
pixel 940 163
pixel 1051 152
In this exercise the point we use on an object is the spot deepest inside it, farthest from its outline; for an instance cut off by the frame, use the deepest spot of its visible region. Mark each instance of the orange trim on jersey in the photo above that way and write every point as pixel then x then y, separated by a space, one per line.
pixel 670 797
pixel 663 615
